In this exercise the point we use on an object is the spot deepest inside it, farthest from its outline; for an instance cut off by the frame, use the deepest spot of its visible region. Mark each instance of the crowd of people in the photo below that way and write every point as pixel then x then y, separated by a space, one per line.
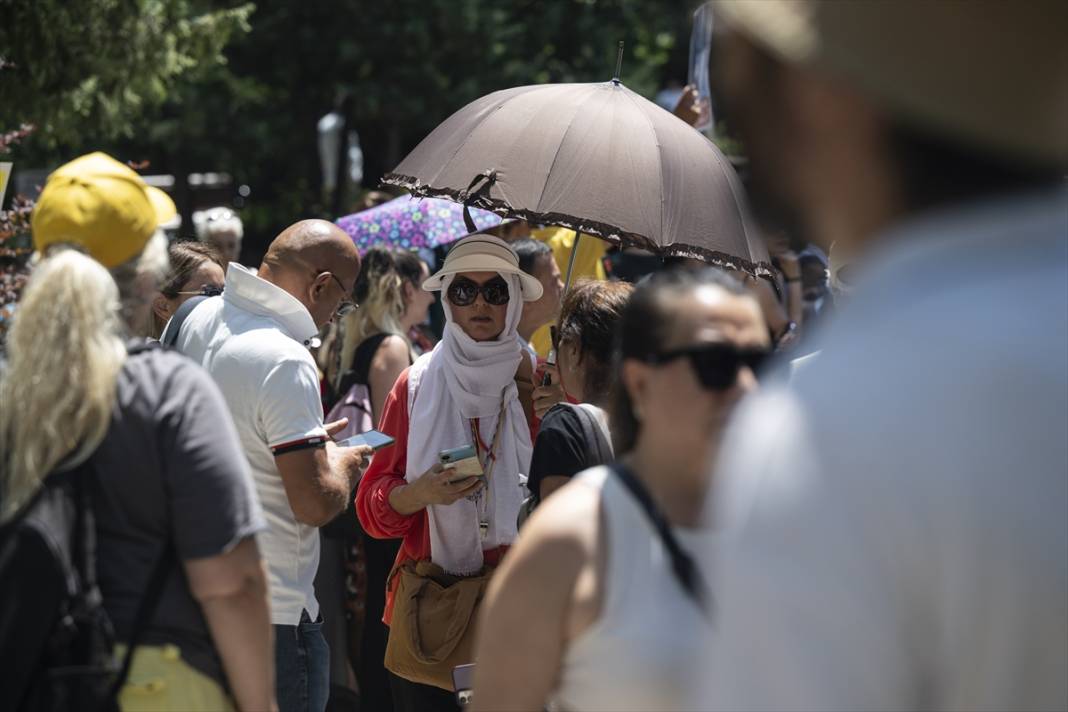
pixel 840 485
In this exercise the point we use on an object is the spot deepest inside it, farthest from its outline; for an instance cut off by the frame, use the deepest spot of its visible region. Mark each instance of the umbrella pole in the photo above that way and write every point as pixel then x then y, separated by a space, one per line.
pixel 571 260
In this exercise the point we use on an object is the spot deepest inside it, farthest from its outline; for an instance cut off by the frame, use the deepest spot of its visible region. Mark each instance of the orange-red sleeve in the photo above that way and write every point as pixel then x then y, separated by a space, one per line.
pixel 386 471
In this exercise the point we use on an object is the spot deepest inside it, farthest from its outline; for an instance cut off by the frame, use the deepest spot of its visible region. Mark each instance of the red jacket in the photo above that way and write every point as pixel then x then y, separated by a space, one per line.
pixel 385 473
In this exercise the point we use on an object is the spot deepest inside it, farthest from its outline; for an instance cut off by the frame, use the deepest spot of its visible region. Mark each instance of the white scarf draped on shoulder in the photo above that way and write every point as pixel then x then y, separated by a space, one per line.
pixel 463 379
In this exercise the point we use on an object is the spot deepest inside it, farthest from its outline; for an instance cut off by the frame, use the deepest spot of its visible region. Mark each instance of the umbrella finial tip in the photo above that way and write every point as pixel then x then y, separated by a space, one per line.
pixel 619 63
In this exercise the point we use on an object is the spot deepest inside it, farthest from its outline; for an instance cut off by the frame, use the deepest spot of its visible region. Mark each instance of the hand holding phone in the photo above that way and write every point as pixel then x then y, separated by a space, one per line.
pixel 463 461
pixel 438 485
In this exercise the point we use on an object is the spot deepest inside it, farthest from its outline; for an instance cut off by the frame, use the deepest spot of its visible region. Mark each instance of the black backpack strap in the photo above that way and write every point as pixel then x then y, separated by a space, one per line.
pixel 146 610
pixel 174 326
pixel 594 436
pixel 365 354
pixel 360 370
pixel 682 564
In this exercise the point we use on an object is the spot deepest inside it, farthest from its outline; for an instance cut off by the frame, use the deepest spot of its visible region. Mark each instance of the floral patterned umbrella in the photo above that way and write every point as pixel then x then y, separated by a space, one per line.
pixel 412 223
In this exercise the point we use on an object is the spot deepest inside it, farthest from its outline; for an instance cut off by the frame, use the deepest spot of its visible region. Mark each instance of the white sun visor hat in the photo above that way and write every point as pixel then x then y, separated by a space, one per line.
pixel 484 253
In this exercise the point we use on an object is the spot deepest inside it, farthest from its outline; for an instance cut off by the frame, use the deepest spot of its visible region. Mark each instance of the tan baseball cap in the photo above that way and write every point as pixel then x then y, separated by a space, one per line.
pixel 484 253
pixel 993 73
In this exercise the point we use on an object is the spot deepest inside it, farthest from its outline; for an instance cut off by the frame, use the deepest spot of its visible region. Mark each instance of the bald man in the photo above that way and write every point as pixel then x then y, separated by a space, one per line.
pixel 254 341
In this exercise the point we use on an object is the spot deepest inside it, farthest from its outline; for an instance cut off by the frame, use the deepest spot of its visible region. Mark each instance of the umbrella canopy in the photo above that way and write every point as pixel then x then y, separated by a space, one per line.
pixel 596 158
pixel 412 223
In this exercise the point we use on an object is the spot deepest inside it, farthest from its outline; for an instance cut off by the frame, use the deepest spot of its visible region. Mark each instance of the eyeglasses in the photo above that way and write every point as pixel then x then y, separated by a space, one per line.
pixel 346 305
pixel 716 365
pixel 221 214
pixel 208 290
pixel 463 292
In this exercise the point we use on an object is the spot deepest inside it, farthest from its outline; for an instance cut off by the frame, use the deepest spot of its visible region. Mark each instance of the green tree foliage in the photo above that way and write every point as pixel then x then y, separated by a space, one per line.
pixel 406 64
pixel 94 67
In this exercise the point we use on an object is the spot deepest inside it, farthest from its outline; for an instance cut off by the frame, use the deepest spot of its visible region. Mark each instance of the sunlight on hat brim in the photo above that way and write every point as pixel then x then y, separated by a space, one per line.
pixel 162 204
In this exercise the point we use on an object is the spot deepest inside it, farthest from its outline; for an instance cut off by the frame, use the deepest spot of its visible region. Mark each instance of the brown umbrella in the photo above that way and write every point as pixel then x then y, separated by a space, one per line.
pixel 596 158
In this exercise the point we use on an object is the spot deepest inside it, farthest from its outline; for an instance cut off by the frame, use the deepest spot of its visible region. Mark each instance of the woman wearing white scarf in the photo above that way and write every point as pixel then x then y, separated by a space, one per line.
pixel 464 382
pixel 462 393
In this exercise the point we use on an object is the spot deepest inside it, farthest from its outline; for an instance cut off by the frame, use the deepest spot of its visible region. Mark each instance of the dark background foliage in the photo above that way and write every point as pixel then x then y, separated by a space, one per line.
pixel 194 86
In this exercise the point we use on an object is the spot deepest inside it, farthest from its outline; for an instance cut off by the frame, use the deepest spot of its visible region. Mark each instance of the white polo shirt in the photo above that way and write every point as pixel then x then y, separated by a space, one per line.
pixel 253 341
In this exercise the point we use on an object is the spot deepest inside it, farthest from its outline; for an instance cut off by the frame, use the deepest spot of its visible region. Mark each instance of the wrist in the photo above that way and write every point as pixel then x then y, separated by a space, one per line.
pixel 405 500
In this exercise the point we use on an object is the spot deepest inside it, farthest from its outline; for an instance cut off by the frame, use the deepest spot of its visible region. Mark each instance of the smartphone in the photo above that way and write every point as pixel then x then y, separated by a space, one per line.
pixel 463 461
pixel 547 379
pixel 463 679
pixel 375 439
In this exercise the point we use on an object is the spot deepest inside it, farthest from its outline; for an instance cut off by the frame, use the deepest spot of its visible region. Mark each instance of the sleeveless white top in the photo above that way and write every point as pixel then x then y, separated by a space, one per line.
pixel 641 651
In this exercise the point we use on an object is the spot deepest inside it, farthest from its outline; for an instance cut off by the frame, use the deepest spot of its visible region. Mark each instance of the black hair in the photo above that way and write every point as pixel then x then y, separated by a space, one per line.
pixel 645 326
pixel 529 250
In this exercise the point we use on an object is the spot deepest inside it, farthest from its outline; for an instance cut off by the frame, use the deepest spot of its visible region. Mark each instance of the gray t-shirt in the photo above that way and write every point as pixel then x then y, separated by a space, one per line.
pixel 169 466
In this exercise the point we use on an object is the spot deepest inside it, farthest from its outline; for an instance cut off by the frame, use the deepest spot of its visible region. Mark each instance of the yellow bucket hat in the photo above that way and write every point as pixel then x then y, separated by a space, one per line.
pixel 102 205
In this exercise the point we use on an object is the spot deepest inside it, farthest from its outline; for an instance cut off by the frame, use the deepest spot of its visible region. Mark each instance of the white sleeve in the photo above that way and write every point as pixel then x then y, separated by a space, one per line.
pixel 290 410
pixel 803 618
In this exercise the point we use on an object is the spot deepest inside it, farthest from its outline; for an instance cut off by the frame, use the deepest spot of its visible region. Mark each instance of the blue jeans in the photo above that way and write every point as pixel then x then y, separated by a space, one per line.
pixel 302 666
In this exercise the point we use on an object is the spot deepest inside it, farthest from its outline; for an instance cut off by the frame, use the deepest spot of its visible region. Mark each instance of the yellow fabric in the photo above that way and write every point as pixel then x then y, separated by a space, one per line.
pixel 589 264
pixel 102 205
pixel 160 681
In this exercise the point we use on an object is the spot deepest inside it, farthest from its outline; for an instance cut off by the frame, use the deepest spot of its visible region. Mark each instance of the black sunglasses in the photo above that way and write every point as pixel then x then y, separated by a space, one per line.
pixel 463 292
pixel 716 365
pixel 208 290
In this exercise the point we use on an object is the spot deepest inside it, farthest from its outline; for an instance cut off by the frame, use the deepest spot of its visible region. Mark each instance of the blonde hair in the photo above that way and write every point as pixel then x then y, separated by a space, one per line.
pixel 65 352
pixel 380 294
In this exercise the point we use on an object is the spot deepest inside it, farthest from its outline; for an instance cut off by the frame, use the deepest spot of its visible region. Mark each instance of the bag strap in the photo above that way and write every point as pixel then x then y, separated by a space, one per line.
pixel 174 326
pixel 146 609
pixel 682 564
pixel 360 371
pixel 594 435
pixel 365 354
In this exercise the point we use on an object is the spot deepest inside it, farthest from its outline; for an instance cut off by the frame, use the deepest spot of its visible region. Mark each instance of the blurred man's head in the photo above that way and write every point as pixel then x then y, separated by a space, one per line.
pixel 536 259
pixel 223 230
pixel 317 263
pixel 854 114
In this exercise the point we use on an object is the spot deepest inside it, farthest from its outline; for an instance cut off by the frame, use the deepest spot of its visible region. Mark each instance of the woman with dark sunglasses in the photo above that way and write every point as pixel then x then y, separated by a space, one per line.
pixel 462 394
pixel 196 269
pixel 599 605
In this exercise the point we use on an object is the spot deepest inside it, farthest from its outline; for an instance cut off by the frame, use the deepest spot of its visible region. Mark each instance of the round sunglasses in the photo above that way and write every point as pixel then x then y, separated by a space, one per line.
pixel 716 365
pixel 463 292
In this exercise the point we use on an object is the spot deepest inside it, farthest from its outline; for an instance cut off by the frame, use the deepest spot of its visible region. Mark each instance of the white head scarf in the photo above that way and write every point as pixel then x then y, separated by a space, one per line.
pixel 460 380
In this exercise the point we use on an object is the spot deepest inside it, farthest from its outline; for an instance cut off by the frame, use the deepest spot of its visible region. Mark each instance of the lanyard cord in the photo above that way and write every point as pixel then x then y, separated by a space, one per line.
pixel 490 459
